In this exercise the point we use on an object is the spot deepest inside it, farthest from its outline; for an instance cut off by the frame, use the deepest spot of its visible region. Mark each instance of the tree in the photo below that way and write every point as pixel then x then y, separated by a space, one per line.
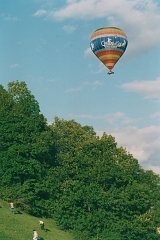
pixel 100 189
pixel 27 147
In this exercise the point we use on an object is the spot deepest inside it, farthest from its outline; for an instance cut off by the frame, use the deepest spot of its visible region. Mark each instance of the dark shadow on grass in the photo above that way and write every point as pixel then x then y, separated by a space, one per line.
pixel 47 230
pixel 17 212
pixel 40 238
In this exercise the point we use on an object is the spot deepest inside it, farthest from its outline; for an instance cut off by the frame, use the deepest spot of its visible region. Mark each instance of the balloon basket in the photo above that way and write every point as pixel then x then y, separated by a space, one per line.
pixel 110 72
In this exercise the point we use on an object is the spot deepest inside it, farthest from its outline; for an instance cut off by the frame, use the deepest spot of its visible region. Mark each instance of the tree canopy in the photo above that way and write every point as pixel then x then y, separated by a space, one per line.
pixel 86 183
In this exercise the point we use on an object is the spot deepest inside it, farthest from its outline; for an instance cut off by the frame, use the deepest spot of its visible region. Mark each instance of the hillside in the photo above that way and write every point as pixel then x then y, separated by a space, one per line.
pixel 92 187
pixel 20 226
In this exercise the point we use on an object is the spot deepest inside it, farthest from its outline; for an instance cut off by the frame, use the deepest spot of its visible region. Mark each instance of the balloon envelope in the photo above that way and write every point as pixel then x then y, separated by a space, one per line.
pixel 108 44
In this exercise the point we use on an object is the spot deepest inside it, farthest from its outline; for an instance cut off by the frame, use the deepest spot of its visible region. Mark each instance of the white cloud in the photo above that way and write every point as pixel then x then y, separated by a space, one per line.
pixel 141 143
pixel 52 79
pixel 40 13
pixel 155 115
pixel 71 1
pixel 69 29
pixel 94 85
pixel 155 169
pixel 14 65
pixel 150 89
pixel 88 116
pixel 138 18
pixel 114 119
pixel 9 18
pixel 120 116
pixel 74 89
pixel 88 53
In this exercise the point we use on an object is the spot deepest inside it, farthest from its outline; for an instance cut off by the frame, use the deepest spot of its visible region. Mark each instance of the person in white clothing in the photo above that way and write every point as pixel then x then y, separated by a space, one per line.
pixel 35 235
pixel 11 207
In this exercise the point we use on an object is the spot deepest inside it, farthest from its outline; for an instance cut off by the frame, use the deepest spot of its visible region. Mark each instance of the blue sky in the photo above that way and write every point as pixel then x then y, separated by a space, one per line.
pixel 46 44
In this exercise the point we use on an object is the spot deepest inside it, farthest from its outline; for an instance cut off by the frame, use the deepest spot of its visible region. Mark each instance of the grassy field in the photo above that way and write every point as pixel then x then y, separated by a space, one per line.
pixel 20 226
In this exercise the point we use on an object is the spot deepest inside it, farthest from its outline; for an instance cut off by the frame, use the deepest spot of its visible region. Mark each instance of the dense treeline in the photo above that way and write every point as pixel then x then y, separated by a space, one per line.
pixel 64 171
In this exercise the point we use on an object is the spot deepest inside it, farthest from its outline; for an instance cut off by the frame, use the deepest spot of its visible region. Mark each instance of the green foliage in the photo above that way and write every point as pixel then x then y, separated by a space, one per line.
pixel 98 186
pixel 26 145
pixel 64 171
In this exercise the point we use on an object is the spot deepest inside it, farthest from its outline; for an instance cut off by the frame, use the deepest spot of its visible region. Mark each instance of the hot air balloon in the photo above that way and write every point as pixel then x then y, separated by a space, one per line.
pixel 108 44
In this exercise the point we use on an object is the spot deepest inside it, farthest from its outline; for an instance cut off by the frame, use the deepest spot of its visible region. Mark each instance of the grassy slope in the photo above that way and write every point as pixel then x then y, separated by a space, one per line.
pixel 20 226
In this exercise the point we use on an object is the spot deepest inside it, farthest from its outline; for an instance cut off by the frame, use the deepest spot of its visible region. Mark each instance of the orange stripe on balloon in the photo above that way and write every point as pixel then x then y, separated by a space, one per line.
pixel 108 31
pixel 109 53
pixel 109 61
pixel 109 58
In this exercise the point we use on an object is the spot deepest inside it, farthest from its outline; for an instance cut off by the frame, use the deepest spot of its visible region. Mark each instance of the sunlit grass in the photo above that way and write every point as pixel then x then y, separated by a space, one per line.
pixel 20 226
